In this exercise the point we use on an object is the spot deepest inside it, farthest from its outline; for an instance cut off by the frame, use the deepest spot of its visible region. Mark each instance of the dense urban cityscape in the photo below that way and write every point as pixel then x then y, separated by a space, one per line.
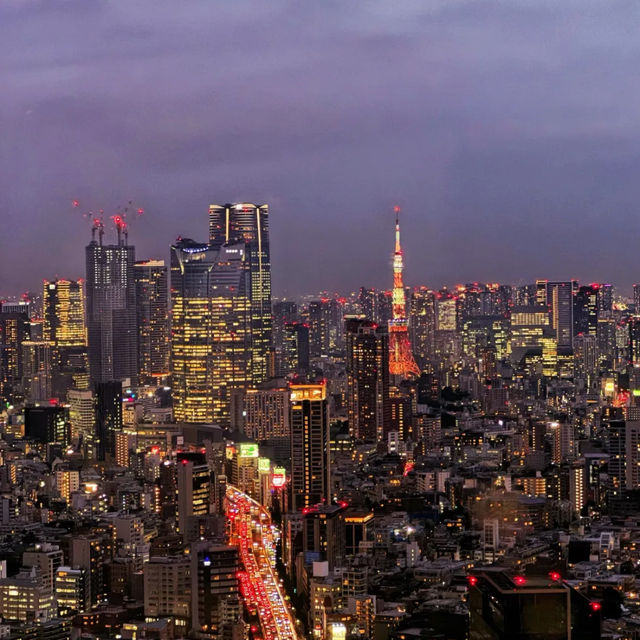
pixel 185 457
pixel 319 320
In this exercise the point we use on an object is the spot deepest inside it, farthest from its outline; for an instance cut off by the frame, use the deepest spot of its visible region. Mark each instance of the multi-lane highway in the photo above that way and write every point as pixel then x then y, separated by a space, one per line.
pixel 254 534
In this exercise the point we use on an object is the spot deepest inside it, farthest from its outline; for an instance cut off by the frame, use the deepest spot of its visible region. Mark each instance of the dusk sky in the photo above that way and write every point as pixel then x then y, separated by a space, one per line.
pixel 508 131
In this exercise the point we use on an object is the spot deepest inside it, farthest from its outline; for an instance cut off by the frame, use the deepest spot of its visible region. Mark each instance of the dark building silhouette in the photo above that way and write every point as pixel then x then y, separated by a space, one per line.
pixel 111 311
pixel 108 417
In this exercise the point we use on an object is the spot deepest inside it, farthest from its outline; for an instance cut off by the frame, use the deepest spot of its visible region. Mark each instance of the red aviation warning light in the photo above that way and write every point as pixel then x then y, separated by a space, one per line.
pixel 519 581
pixel 472 580
pixel 555 576
pixel 595 606
pixel 75 203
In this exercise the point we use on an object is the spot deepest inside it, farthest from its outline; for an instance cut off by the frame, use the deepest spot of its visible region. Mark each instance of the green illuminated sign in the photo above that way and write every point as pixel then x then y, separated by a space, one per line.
pixel 248 450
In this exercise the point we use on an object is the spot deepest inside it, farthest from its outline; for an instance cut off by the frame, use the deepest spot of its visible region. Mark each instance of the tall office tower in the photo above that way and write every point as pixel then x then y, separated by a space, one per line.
pixel 152 321
pixel 559 301
pixel 210 333
pixel 295 349
pixel 248 224
pixel 215 604
pixel 82 419
pixel 422 324
pixel 14 330
pixel 284 312
pixel 63 313
pixel 194 488
pixel 636 297
pixel 368 407
pixel 585 310
pixel 310 445
pixel 37 370
pixel 46 425
pixel 507 607
pixel 111 310
pixel 401 362
pixel 64 326
pixel 325 327
pixel 108 418
pixel 323 533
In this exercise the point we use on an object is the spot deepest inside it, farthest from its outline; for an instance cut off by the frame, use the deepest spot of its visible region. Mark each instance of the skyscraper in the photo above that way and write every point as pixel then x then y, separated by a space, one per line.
pixel 295 349
pixel 248 224
pixel 111 311
pixel 152 320
pixel 585 310
pixel 14 330
pixel 64 326
pixel 422 324
pixel 310 450
pixel 108 417
pixel 401 362
pixel 325 327
pixel 210 333
pixel 63 313
pixel 367 379
pixel 558 296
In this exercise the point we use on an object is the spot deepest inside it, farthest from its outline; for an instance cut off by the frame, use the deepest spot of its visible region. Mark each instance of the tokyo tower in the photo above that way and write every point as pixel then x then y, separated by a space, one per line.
pixel 401 362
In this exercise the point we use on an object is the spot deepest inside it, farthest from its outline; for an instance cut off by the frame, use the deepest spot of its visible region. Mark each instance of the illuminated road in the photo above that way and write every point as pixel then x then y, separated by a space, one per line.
pixel 252 531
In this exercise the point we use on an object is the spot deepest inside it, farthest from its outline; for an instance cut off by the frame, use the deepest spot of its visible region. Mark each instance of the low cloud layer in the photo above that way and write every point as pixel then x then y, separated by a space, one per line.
pixel 507 131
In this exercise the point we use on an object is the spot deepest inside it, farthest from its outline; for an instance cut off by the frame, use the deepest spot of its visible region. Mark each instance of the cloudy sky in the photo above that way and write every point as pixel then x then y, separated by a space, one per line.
pixel 508 131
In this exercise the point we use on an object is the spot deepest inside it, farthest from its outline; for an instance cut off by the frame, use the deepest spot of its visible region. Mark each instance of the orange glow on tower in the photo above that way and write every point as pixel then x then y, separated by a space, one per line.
pixel 401 361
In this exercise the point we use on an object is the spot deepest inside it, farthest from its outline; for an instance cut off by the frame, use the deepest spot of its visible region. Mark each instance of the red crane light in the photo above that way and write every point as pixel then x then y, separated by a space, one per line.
pixel 75 203
pixel 519 581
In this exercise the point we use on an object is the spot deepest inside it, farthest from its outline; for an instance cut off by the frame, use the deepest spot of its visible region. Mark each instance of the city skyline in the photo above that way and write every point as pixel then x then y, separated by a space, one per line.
pixel 536 180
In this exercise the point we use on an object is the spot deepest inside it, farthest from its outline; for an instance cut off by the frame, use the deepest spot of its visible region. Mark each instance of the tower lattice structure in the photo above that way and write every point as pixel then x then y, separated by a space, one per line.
pixel 401 361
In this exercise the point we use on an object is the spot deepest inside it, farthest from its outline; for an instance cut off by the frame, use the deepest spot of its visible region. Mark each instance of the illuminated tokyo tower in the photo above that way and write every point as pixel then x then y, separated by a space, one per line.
pixel 401 362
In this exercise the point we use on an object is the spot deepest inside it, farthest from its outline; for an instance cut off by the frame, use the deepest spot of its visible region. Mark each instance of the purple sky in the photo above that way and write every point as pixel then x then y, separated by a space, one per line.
pixel 507 130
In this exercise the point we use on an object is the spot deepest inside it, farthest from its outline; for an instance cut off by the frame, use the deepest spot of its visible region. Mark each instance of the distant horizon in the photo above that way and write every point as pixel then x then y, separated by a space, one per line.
pixel 508 133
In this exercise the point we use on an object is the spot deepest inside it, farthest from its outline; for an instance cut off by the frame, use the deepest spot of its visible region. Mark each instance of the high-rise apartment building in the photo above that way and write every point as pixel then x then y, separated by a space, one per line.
pixel 310 445
pixel 111 311
pixel 368 407
pixel 210 332
pixel 152 313
pixel 248 224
